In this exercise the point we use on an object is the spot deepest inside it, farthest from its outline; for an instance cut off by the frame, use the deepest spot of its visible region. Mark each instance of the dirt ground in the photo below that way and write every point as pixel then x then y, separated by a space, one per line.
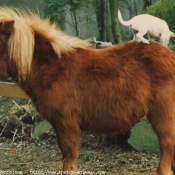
pixel 21 154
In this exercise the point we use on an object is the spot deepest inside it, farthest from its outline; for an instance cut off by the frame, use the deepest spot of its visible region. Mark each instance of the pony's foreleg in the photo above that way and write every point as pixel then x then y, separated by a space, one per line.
pixel 68 136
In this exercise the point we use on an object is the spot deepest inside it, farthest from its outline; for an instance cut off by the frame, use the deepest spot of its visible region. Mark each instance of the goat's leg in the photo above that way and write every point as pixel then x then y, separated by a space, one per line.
pixel 140 36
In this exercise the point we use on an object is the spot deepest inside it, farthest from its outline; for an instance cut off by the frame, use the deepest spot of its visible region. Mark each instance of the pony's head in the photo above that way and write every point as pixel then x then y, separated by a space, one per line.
pixel 6 28
pixel 17 41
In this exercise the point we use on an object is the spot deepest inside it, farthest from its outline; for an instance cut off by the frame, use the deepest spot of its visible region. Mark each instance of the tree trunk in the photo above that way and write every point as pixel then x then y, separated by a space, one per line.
pixel 75 22
pixel 99 16
pixel 109 33
pixel 104 20
pixel 116 27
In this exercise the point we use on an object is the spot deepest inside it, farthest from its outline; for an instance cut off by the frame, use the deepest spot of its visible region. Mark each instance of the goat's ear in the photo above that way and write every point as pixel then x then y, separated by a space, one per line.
pixel 172 34
pixel 7 26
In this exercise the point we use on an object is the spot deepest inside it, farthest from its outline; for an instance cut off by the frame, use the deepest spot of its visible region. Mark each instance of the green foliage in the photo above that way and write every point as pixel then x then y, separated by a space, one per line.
pixel 41 128
pixel 165 10
pixel 88 156
pixel 55 9
pixel 21 110
pixel 143 138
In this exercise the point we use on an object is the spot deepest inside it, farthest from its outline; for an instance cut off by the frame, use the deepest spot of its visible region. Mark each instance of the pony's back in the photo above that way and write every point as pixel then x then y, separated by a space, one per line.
pixel 118 85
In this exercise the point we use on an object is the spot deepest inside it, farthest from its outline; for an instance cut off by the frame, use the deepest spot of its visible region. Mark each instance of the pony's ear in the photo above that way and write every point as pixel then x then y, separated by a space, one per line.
pixel 7 26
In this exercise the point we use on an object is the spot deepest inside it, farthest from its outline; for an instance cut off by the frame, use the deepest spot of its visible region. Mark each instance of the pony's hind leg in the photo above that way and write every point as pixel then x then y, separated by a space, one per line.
pixel 163 123
pixel 166 158
pixel 173 164
pixel 166 142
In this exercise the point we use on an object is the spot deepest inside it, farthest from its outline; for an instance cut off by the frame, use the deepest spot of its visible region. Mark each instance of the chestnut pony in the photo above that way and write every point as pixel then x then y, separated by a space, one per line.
pixel 77 88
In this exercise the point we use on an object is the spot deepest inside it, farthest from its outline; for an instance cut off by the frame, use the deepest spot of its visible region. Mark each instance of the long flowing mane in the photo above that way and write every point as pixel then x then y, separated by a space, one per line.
pixel 21 42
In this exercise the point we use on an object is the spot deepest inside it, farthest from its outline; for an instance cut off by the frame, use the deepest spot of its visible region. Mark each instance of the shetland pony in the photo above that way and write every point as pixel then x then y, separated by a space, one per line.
pixel 77 88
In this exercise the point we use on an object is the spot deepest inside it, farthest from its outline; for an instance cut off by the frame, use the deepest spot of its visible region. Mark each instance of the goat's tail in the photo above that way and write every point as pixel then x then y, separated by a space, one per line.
pixel 125 23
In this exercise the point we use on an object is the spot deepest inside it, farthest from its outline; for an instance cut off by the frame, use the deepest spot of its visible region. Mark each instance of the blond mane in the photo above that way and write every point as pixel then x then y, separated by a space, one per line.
pixel 21 42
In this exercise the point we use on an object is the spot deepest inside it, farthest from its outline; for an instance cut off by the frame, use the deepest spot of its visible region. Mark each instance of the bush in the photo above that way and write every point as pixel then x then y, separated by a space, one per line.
pixel 165 10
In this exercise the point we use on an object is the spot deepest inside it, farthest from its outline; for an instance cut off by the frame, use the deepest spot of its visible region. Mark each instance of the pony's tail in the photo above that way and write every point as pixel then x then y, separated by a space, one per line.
pixel 125 23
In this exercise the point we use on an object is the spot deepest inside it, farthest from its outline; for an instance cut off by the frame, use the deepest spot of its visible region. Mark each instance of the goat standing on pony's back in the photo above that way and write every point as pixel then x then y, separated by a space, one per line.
pixel 77 88
pixel 148 24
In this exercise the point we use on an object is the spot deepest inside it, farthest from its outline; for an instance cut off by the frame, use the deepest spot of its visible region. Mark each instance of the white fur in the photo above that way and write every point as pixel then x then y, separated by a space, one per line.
pixel 153 26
